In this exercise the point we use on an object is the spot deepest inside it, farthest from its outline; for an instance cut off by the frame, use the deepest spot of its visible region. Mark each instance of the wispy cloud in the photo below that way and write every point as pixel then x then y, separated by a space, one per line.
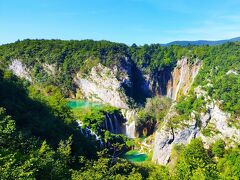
pixel 221 25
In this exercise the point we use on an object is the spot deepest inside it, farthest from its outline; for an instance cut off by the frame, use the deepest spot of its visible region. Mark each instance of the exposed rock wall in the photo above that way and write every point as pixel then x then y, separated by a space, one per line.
pixel 182 77
pixel 166 137
pixel 20 70
pixel 171 82
pixel 102 85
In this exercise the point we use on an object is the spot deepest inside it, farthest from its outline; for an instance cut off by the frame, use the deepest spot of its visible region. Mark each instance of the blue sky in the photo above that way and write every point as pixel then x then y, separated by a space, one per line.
pixel 127 21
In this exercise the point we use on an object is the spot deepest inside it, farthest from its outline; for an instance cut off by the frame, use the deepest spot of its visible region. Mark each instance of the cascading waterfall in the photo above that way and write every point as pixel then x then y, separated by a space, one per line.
pixel 88 133
pixel 116 124
pixel 111 125
pixel 80 125
pixel 180 80
pixel 130 130
pixel 130 116
pixel 112 122
pixel 106 123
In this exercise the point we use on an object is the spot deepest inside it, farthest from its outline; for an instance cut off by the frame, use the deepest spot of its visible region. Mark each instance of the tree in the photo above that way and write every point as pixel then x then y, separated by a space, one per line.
pixel 218 148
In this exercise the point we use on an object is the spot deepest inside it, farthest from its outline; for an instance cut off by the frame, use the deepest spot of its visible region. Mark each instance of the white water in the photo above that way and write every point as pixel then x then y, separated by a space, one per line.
pixel 130 130
pixel 116 124
pixel 106 123
pixel 88 133
pixel 108 119
pixel 111 125
pixel 180 79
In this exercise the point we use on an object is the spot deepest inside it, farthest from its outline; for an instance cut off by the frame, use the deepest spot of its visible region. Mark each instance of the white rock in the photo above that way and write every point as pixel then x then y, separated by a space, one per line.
pixel 20 70
pixel 101 85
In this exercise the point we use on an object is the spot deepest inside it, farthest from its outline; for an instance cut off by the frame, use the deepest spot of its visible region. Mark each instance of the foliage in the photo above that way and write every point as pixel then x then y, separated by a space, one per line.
pixel 194 162
pixel 218 148
pixel 154 111
pixel 219 76
pixel 67 56
pixel 229 165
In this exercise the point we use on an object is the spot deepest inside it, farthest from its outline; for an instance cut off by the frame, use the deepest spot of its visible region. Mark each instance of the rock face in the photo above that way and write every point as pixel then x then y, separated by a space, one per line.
pixel 102 85
pixel 166 138
pixel 214 118
pixel 20 70
pixel 219 123
pixel 51 69
pixel 171 82
pixel 182 77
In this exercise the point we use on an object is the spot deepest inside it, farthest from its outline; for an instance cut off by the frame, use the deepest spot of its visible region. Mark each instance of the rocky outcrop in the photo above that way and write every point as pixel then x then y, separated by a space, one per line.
pixel 232 72
pixel 20 70
pixel 51 69
pixel 219 126
pixel 102 85
pixel 166 137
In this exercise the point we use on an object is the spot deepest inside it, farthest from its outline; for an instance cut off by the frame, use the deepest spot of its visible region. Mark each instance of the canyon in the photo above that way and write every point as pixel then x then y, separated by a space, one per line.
pixel 116 86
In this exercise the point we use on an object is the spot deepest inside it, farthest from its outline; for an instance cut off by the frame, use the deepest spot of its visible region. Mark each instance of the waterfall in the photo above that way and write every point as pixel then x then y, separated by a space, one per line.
pixel 130 116
pixel 180 79
pixel 88 133
pixel 116 124
pixel 130 129
pixel 106 123
pixel 80 126
pixel 111 124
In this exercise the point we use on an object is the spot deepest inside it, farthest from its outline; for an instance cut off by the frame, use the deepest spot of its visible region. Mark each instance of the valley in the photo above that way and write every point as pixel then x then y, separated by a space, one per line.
pixel 106 109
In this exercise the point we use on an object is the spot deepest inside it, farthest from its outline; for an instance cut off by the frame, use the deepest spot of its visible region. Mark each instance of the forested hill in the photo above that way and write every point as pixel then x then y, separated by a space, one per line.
pixel 202 42
pixel 56 62
pixel 74 56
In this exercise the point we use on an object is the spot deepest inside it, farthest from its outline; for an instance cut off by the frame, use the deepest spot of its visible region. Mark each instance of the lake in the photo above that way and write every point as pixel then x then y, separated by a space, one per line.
pixel 135 157
pixel 82 104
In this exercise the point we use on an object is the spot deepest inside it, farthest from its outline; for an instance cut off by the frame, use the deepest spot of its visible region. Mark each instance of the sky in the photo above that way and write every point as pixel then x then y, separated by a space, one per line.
pixel 126 21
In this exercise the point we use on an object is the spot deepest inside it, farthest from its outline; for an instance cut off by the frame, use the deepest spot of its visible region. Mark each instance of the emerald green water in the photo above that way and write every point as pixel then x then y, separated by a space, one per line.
pixel 135 156
pixel 82 104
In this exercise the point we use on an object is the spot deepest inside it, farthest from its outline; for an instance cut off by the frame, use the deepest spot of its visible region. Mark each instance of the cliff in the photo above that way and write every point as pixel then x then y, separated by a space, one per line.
pixel 102 85
pixel 182 77
pixel 173 81
pixel 211 125
pixel 20 70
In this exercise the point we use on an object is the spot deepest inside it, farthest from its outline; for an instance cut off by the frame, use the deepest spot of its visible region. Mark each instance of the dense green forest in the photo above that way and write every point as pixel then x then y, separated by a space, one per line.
pixel 40 139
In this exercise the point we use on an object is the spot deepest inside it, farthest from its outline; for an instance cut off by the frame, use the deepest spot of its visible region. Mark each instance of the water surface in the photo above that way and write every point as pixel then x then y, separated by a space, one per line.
pixel 82 104
pixel 135 157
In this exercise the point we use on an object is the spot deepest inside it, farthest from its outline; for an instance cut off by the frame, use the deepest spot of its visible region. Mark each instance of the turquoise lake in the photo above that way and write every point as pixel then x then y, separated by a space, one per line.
pixel 82 104
pixel 135 156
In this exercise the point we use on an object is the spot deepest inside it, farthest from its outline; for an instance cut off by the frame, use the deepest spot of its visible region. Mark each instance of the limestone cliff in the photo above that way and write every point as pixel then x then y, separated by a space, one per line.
pixel 102 85
pixel 171 82
pixel 182 77
pixel 214 120
pixel 20 70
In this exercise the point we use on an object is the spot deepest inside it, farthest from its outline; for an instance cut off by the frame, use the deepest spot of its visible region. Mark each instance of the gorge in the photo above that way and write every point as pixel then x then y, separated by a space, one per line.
pixel 149 103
